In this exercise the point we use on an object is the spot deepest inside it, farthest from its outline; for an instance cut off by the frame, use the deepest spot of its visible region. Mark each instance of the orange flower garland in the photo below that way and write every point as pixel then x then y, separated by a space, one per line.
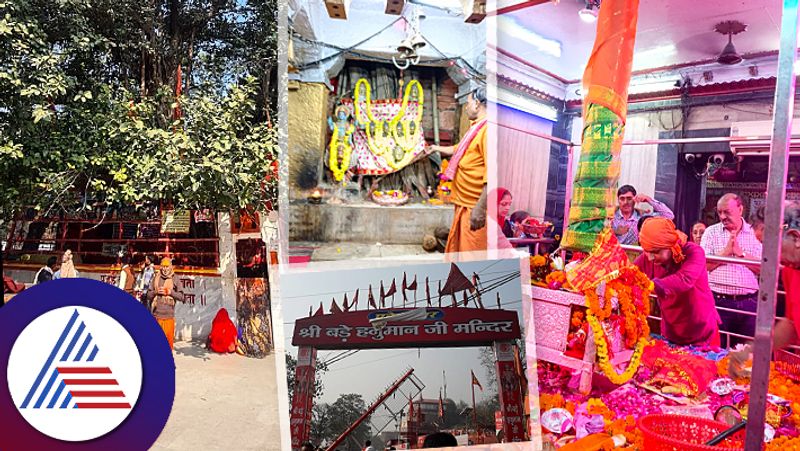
pixel 537 261
pixel 632 289
pixel 548 401
pixel 558 277
pixel 784 443
pixel 593 302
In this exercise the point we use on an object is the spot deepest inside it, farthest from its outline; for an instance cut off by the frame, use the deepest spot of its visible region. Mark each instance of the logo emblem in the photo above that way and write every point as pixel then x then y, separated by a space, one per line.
pixel 87 367
pixel 64 384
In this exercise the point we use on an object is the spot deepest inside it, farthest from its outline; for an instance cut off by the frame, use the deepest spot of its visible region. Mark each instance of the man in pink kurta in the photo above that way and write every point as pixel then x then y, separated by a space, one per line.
pixel 678 271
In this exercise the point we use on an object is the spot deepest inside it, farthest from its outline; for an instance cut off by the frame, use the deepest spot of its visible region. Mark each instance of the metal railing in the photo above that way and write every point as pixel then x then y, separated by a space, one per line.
pixel 712 259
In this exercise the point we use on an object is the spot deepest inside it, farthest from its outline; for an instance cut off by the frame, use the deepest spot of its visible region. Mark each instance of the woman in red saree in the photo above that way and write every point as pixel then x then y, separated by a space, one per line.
pixel 223 336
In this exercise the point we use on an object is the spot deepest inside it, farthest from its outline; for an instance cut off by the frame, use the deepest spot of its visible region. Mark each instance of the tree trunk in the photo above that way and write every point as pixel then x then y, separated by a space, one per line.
pixel 189 63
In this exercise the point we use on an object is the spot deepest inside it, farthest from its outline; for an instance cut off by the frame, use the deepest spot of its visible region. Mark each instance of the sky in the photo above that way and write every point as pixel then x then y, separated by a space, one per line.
pixel 369 372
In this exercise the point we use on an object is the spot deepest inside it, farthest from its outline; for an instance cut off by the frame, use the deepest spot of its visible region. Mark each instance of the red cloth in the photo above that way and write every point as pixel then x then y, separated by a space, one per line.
pixel 223 334
pixel 12 286
pixel 687 374
pixel 688 314
pixel 791 284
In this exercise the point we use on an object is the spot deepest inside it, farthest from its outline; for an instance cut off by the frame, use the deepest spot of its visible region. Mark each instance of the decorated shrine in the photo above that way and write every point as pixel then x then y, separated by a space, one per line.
pixel 607 378
pixel 371 92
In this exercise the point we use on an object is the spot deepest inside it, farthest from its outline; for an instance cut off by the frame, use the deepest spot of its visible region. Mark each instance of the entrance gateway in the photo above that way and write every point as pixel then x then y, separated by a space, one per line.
pixel 379 327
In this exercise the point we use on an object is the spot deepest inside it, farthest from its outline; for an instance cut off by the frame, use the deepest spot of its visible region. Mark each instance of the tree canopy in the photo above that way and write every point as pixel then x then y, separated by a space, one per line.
pixel 89 110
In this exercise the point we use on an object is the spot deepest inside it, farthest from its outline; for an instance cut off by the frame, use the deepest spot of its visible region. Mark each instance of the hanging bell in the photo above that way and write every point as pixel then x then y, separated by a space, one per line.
pixel 406 47
pixel 418 42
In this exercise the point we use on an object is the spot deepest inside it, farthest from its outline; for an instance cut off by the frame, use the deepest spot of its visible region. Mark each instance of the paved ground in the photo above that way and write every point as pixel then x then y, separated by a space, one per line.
pixel 222 402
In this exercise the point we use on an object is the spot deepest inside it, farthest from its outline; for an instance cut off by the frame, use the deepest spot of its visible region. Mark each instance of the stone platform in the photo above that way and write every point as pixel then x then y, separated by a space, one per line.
pixel 366 223
pixel 320 252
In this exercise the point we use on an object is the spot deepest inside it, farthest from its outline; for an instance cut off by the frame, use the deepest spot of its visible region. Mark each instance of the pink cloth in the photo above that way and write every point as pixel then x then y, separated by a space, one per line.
pixel 463 145
pixel 688 315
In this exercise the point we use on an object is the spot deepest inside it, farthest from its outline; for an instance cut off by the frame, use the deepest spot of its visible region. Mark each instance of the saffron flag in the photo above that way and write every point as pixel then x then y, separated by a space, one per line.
pixel 441 405
pixel 405 287
pixel 605 86
pixel 392 289
pixel 334 307
pixel 371 298
pixel 413 285
pixel 475 380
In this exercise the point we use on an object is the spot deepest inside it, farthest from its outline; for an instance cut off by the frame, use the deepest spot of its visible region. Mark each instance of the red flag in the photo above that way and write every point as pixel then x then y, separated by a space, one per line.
pixel 441 405
pixel 392 289
pixel 371 298
pixel 383 295
pixel 335 308
pixel 413 285
pixel 355 300
pixel 405 287
pixel 475 380
pixel 320 310
pixel 345 305
pixel 427 291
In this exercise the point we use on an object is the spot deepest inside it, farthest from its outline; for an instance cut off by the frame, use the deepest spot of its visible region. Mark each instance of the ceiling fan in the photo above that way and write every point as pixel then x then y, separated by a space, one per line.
pixel 729 55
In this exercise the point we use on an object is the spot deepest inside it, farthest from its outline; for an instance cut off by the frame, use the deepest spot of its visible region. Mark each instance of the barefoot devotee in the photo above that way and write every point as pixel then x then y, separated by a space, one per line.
pixel 467 170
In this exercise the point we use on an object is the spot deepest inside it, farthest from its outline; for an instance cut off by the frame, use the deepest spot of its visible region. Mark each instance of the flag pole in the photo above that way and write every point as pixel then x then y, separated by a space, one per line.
pixel 474 412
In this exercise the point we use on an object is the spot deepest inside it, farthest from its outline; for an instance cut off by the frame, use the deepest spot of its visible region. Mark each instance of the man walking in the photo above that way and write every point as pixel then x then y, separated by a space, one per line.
pixel 145 277
pixel 126 276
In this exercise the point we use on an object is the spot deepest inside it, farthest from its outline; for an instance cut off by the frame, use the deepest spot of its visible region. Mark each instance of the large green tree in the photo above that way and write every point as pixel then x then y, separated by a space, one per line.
pixel 339 416
pixel 89 112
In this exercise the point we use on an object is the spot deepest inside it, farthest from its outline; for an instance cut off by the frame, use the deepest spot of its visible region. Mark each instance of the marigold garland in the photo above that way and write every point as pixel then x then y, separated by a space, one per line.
pixel 381 141
pixel 340 168
pixel 632 289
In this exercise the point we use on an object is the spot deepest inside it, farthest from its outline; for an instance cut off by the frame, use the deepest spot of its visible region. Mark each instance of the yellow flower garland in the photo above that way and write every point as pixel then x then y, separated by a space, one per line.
pixel 602 353
pixel 339 168
pixel 407 141
pixel 381 143
pixel 636 329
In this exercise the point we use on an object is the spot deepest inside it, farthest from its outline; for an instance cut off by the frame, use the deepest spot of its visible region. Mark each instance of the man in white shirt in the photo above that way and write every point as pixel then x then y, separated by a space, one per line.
pixel 368 446
pixel 734 286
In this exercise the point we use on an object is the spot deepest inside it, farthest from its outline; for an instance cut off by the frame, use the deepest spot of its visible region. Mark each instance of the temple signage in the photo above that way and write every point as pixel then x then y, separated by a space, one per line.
pixel 440 327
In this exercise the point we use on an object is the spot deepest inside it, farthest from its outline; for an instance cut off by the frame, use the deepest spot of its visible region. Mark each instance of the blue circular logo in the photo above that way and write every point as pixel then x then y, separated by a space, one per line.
pixel 87 368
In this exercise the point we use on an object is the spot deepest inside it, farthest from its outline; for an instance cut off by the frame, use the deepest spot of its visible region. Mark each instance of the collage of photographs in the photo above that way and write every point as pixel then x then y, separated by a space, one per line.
pixel 374 225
